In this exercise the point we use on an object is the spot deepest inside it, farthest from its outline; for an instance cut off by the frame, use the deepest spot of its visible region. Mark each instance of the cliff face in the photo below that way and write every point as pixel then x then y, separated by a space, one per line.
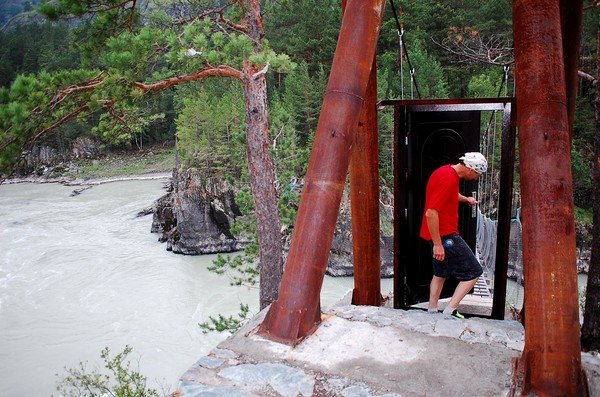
pixel 196 216
pixel 341 257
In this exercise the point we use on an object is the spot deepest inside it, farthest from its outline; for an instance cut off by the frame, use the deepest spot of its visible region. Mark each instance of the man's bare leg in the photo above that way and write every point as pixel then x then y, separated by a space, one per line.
pixel 435 289
pixel 462 289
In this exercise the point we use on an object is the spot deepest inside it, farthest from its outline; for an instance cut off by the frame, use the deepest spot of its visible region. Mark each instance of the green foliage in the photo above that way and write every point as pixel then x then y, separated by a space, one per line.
pixel 106 18
pixel 119 379
pixel 582 179
pixel 484 85
pixel 428 73
pixel 302 98
pixel 222 323
pixel 211 129
pixel 386 146
pixel 242 269
pixel 28 107
pixel 584 215
pixel 290 146
pixel 305 30
pixel 31 48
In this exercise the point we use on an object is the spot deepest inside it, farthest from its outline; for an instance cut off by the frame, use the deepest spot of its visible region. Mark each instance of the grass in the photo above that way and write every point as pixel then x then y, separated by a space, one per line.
pixel 153 160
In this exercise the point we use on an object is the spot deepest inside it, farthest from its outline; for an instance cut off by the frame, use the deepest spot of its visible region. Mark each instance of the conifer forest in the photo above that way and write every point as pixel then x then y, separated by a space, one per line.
pixel 235 86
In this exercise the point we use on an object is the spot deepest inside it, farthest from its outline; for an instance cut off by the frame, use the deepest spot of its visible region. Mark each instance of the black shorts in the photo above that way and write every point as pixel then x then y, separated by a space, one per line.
pixel 459 261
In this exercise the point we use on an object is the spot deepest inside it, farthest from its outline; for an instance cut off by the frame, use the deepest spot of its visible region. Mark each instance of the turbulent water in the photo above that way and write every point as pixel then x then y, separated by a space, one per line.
pixel 81 273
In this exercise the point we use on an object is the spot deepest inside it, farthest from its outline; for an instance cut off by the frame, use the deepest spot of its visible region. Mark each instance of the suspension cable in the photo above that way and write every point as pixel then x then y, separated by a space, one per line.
pixel 502 83
pixel 403 50
pixel 400 34
pixel 488 146
pixel 412 83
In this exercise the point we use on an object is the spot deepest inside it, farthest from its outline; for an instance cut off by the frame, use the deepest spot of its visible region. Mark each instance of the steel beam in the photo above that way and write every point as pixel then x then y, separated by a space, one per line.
pixel 296 312
pixel 364 202
pixel 551 357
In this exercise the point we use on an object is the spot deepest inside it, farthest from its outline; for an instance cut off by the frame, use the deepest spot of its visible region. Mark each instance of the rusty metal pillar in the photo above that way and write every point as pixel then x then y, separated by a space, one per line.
pixel 296 313
pixel 571 14
pixel 364 201
pixel 551 357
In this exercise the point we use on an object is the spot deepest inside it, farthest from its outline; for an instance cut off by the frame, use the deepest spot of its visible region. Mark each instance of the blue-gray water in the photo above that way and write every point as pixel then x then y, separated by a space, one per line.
pixel 81 273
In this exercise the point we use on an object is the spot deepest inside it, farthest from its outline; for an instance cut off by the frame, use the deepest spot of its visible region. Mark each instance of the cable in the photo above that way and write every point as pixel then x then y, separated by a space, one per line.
pixel 403 46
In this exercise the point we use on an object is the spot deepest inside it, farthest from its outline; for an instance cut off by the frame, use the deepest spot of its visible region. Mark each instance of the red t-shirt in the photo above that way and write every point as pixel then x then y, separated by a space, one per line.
pixel 442 196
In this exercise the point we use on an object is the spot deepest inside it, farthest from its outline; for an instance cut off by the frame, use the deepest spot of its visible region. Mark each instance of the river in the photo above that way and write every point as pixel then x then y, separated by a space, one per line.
pixel 81 273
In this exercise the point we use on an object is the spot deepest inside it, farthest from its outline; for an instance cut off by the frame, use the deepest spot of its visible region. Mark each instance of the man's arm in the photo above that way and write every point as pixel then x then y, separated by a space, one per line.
pixel 468 200
pixel 433 224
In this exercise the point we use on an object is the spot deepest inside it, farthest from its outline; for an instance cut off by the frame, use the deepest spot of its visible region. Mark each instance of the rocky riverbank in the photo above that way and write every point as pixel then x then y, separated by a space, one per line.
pixel 197 214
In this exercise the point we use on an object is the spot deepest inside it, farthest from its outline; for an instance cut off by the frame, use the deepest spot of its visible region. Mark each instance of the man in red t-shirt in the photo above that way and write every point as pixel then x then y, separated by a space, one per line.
pixel 451 255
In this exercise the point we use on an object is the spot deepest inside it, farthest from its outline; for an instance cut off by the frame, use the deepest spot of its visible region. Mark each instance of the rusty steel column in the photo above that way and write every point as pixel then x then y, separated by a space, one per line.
pixel 552 356
pixel 364 201
pixel 571 13
pixel 296 313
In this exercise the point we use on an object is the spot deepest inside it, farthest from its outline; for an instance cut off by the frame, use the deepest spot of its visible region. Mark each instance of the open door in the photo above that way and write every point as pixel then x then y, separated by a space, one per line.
pixel 429 134
pixel 434 139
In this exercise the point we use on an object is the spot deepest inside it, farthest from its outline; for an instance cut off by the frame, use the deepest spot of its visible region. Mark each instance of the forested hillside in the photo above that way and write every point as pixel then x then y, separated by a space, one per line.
pixel 71 76
pixel 11 8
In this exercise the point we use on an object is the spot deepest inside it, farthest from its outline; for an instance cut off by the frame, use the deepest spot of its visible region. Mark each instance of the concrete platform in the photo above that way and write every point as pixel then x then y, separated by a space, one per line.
pixel 366 351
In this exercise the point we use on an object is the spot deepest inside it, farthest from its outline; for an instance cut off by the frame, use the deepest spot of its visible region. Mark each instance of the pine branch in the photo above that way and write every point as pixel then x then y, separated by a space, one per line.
pixel 205 14
pixel 60 96
pixel 219 71
pixel 111 110
pixel 63 120
pixel 113 7
pixel 233 26
pixel 471 48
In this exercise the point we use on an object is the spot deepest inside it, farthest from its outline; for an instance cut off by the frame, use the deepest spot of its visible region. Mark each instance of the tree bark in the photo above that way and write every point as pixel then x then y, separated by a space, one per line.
pixel 262 182
pixel 590 331
pixel 261 167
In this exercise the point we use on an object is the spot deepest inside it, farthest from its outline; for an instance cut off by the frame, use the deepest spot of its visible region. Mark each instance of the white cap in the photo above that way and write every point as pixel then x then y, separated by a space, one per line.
pixel 475 161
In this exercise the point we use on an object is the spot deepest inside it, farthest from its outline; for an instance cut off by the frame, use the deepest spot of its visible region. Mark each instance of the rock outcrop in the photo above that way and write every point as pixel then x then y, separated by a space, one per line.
pixel 196 215
pixel 341 258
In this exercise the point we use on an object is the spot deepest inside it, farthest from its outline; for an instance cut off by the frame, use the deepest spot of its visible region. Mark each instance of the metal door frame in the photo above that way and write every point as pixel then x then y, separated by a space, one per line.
pixel 507 159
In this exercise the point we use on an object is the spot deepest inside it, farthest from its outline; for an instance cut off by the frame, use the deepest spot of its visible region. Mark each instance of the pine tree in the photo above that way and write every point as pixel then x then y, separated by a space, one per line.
pixel 175 44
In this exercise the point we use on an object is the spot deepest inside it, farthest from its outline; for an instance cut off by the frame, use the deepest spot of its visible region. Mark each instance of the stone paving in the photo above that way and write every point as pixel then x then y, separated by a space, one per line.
pixel 364 351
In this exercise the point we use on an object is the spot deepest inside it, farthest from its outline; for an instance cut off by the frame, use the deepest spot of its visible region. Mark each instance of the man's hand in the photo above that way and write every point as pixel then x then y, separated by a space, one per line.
pixel 438 252
pixel 472 201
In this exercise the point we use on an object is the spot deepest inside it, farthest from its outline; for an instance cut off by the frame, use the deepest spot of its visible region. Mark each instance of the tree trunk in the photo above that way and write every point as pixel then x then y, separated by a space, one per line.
pixel 260 164
pixel 262 182
pixel 590 331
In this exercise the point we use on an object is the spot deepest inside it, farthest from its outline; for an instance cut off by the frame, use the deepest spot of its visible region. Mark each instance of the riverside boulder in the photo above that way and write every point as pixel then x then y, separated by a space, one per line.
pixel 196 215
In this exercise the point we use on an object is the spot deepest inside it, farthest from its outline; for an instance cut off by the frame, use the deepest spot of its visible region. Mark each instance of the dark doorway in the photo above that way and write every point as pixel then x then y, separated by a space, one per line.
pixel 429 134
pixel 434 139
